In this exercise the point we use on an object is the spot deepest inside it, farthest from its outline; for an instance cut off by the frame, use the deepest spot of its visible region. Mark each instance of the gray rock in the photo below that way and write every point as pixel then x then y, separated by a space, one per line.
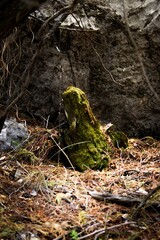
pixel 13 135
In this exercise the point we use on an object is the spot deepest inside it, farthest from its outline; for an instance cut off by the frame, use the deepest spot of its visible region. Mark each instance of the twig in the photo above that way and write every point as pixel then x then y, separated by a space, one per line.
pixel 92 234
pixel 121 224
pixel 104 230
pixel 69 146
pixel 102 63
pixel 62 152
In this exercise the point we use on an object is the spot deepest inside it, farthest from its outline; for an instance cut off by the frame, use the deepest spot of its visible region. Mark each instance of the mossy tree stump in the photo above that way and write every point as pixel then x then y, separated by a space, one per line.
pixel 87 147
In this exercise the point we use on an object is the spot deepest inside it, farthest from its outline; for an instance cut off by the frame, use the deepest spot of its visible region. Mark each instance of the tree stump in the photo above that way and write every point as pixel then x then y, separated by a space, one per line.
pixel 86 145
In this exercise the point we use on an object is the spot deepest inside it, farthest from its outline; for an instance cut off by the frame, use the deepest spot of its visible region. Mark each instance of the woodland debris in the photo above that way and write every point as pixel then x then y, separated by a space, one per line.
pixel 124 200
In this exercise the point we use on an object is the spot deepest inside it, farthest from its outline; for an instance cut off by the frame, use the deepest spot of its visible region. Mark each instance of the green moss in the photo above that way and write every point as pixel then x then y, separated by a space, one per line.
pixel 7 232
pixel 87 146
pixel 26 155
pixel 119 139
pixel 8 228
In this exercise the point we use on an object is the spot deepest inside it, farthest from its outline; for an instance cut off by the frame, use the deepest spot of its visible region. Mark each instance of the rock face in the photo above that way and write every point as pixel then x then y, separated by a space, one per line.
pixel 94 50
pixel 86 145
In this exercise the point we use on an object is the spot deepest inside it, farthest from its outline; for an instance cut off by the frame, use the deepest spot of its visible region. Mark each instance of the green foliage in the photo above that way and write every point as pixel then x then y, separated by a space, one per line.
pixel 82 217
pixel 74 235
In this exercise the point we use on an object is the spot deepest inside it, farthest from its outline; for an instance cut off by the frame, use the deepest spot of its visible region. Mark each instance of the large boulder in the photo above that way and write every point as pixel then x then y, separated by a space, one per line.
pixel 92 50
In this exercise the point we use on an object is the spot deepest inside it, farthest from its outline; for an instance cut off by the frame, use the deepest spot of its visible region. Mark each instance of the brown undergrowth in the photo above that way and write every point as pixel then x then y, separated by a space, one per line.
pixel 42 199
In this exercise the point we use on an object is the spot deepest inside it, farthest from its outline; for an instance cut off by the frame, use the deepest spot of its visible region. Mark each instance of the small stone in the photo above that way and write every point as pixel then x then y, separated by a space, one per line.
pixel 13 135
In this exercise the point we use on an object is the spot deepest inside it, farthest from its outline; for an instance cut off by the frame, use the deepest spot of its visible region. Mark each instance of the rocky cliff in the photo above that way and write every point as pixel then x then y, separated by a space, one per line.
pixel 111 50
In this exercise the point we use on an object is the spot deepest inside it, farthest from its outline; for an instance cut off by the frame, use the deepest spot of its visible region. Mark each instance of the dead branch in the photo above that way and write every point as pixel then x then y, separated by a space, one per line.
pixel 126 200
pixel 101 231
pixel 114 198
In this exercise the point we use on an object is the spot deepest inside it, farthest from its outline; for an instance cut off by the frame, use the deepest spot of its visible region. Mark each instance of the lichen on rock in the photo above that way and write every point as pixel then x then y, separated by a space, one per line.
pixel 87 147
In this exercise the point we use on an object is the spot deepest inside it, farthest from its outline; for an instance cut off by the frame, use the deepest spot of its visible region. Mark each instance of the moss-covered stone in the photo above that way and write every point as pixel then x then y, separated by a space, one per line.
pixel 26 155
pixel 119 139
pixel 86 144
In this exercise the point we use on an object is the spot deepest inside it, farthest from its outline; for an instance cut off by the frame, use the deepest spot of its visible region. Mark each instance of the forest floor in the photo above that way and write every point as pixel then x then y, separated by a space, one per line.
pixel 42 199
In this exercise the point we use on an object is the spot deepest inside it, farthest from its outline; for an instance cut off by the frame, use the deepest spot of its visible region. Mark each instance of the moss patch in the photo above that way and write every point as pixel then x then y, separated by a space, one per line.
pixel 87 145
pixel 26 155
pixel 8 228
pixel 119 139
